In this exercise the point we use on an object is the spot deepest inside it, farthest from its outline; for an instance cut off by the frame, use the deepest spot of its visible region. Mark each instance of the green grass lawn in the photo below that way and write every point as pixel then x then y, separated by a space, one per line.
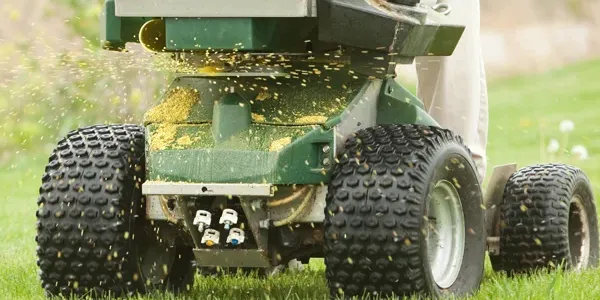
pixel 517 107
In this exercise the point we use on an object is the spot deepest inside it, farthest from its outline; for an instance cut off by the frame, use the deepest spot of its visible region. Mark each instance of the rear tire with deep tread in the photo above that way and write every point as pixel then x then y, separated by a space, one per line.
pixel 376 212
pixel 90 219
pixel 541 220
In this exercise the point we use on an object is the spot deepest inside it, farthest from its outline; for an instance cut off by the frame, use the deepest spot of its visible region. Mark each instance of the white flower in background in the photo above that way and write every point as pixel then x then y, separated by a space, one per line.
pixel 566 126
pixel 580 152
pixel 553 146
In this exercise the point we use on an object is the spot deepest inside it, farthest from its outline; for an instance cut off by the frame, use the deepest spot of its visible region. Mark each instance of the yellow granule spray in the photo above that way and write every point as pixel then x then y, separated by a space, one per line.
pixel 175 108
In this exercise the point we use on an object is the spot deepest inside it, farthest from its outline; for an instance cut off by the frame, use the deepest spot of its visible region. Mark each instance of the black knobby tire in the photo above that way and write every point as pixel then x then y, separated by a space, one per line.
pixel 91 230
pixel 547 211
pixel 377 203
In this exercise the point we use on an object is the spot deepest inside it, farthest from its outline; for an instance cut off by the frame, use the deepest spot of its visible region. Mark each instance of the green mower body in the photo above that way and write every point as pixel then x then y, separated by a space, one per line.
pixel 287 138
pixel 245 124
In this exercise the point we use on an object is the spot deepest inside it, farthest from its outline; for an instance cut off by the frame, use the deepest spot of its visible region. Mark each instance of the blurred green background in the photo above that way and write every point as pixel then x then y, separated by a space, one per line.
pixel 55 78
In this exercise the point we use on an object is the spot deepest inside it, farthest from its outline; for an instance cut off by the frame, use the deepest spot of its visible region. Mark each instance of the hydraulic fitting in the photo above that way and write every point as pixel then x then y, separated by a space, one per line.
pixel 229 217
pixel 236 236
pixel 210 237
pixel 202 220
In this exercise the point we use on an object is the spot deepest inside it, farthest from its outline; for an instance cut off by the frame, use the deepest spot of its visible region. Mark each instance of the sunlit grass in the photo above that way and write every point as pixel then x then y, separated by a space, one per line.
pixel 517 107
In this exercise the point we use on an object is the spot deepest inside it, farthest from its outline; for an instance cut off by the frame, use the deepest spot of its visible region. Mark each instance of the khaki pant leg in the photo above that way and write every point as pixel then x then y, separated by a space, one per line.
pixel 454 88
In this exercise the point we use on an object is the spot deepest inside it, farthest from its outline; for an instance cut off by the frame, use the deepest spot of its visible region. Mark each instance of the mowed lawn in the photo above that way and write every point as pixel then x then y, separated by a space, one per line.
pixel 517 107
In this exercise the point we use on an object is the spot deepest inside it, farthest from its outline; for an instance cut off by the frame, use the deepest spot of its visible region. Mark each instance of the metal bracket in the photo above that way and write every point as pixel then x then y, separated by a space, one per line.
pixel 255 214
pixel 316 214
pixel 231 258
pixel 157 209
pixel 494 194
pixel 217 8
pixel 409 14
pixel 206 189
pixel 360 113
pixel 442 8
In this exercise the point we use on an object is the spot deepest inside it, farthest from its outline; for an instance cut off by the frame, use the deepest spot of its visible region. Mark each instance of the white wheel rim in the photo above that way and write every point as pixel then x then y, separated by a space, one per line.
pixel 445 234
pixel 579 237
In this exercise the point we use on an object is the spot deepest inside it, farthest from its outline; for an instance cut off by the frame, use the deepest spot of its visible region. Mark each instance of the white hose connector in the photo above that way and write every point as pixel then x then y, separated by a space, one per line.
pixel 236 236
pixel 211 237
pixel 202 220
pixel 228 218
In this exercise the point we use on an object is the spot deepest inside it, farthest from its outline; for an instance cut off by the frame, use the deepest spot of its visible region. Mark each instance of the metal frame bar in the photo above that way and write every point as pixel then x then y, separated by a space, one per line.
pixel 314 214
pixel 206 189
pixel 232 258
pixel 492 199
pixel 216 8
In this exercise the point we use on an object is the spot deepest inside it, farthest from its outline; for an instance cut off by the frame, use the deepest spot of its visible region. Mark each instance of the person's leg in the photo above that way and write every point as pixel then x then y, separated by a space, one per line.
pixel 454 88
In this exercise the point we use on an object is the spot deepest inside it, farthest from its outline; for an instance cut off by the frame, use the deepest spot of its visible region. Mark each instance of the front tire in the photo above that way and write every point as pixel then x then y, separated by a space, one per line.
pixel 92 236
pixel 548 218
pixel 380 236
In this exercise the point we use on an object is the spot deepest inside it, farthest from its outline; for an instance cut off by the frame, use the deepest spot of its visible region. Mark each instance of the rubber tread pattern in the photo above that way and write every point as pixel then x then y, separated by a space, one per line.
pixel 90 195
pixel 535 217
pixel 373 213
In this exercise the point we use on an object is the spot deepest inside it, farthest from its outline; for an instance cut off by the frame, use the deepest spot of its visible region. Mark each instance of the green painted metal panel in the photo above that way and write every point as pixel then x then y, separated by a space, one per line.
pixel 201 132
pixel 397 105
pixel 231 116
pixel 115 31
pixel 445 39
pixel 263 154
pixel 297 100
pixel 248 34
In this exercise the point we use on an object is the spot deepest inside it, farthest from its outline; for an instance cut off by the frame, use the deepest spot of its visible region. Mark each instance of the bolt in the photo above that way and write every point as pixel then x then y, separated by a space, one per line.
pixel 326 161
pixel 264 224
pixel 326 148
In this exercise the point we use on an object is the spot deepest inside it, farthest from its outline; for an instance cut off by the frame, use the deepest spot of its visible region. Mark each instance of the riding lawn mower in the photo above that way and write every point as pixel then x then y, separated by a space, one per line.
pixel 286 136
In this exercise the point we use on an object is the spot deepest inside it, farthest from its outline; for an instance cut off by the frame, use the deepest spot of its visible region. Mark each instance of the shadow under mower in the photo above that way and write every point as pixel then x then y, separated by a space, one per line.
pixel 285 136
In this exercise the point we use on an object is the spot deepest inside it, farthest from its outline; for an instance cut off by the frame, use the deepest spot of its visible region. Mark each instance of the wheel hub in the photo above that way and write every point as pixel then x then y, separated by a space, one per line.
pixel 579 237
pixel 445 234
